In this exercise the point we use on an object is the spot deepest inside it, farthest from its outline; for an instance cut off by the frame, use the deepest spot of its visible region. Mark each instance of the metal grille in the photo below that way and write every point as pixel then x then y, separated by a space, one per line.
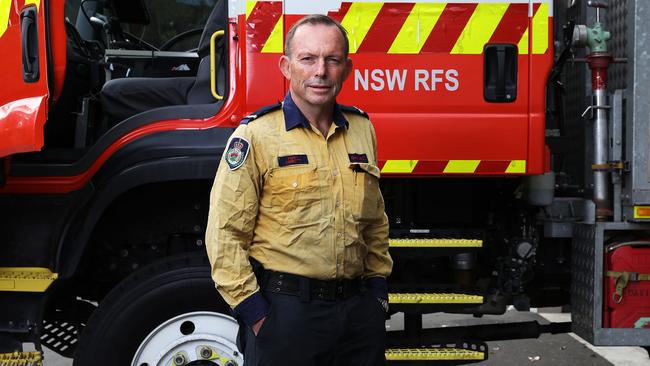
pixel 582 280
pixel 617 45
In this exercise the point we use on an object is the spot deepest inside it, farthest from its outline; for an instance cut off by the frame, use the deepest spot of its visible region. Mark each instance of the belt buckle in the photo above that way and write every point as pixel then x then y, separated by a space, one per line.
pixel 340 289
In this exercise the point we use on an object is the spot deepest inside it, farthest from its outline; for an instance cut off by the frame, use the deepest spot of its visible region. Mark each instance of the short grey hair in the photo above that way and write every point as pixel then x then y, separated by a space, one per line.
pixel 316 19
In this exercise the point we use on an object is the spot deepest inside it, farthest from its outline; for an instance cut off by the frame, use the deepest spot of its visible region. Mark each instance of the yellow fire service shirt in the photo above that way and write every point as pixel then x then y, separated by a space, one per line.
pixel 297 202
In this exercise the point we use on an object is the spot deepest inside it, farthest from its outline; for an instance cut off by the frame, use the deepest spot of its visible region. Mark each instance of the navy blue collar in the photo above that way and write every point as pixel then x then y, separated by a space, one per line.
pixel 293 117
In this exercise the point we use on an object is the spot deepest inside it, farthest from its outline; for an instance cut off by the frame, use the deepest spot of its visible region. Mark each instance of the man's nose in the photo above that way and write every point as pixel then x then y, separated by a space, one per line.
pixel 321 69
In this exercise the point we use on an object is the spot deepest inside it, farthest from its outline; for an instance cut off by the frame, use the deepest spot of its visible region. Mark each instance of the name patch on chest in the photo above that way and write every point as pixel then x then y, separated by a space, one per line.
pixel 358 158
pixel 292 160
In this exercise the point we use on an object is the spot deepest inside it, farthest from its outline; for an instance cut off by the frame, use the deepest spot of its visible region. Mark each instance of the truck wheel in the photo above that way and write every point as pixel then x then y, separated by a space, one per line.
pixel 168 313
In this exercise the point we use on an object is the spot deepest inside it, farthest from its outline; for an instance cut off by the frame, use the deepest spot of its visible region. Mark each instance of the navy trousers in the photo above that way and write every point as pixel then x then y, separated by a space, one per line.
pixel 318 333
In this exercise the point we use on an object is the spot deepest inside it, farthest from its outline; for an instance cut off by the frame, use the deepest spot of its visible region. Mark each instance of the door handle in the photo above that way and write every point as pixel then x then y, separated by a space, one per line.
pixel 500 73
pixel 29 44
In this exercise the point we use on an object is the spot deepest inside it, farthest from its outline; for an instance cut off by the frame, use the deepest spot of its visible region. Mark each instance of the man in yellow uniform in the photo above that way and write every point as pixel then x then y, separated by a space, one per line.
pixel 297 234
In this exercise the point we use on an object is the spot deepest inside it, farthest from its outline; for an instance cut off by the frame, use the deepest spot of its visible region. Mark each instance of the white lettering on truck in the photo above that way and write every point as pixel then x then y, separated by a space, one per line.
pixel 423 80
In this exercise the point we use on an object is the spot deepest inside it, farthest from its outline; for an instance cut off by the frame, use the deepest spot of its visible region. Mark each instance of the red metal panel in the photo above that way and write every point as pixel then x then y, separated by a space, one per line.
pixel 23 107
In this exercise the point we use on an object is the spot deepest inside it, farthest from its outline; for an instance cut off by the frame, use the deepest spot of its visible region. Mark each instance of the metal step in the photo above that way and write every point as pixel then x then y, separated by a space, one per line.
pixel 412 298
pixel 24 279
pixel 21 359
pixel 435 243
pixel 434 354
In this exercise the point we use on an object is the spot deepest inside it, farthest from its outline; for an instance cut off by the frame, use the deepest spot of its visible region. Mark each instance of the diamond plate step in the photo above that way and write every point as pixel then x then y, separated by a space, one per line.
pixel 433 354
pixel 24 279
pixel 435 243
pixel 432 298
pixel 21 359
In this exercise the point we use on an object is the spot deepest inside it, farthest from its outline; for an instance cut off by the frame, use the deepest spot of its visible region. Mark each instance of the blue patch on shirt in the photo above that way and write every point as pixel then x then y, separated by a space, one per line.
pixel 358 158
pixel 292 160
pixel 236 152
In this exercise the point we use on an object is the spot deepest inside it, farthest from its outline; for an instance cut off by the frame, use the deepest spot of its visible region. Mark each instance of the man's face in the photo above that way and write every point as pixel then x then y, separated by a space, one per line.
pixel 317 65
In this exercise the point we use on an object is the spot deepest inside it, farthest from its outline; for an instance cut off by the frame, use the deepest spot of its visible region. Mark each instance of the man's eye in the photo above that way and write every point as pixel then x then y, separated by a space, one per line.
pixel 307 59
pixel 333 61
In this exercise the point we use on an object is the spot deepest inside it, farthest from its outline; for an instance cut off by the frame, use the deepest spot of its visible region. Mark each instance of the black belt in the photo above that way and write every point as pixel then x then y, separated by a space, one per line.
pixel 309 288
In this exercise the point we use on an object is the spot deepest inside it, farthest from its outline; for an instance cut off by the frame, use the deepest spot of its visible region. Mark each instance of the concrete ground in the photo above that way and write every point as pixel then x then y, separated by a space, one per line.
pixel 548 350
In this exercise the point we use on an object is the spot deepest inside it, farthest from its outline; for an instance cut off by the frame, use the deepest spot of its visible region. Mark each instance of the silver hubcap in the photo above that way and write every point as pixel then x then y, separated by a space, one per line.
pixel 191 338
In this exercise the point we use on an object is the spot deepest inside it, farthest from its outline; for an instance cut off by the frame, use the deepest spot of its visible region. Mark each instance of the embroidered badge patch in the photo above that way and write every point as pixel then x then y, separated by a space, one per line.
pixel 292 160
pixel 237 152
pixel 358 158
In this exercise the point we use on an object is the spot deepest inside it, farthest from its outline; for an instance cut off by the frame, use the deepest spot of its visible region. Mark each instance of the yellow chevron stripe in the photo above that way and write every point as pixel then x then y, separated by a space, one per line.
pixel 479 28
pixel 399 166
pixel 523 43
pixel 250 5
pixel 357 22
pixel 461 166
pixel 516 167
pixel 5 8
pixel 416 28
pixel 35 2
pixel 540 30
pixel 275 42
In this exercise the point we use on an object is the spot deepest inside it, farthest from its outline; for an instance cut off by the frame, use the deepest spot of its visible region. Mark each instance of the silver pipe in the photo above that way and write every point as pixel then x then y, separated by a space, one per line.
pixel 601 178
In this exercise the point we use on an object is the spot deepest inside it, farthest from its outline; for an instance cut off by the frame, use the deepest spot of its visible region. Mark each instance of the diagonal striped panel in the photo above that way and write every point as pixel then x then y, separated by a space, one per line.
pixel 479 28
pixel 516 167
pixel 417 28
pixel 357 22
pixel 540 30
pixel 399 166
pixel 512 26
pixel 386 27
pixel 461 166
pixel 448 27
pixel 5 9
pixel 250 5
pixel 275 42
pixel 340 14
pixel 523 43
pixel 260 23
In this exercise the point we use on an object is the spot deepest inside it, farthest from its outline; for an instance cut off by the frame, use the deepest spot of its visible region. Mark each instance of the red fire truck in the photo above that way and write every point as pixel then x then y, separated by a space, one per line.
pixel 514 172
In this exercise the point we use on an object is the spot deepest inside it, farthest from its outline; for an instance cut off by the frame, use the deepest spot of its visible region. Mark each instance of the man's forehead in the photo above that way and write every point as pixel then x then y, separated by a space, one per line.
pixel 309 36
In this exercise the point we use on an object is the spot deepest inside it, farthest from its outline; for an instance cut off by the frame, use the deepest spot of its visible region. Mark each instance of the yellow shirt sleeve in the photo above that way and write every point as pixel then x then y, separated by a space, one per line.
pixel 234 206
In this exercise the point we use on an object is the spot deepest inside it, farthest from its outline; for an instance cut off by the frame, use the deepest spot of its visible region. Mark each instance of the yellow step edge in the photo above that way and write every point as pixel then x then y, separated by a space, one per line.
pixel 26 279
pixel 435 243
pixel 21 359
pixel 432 354
pixel 412 298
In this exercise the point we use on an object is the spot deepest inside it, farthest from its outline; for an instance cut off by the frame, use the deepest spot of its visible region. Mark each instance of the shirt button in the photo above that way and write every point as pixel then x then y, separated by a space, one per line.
pixel 339 235
pixel 294 185
pixel 335 173
pixel 338 204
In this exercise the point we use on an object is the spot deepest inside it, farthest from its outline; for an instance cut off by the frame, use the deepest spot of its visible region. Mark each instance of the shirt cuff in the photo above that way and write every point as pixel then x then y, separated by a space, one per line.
pixel 378 287
pixel 252 309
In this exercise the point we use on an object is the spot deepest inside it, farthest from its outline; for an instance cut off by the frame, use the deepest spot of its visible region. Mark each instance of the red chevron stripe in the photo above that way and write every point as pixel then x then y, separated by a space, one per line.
pixel 493 166
pixel 340 14
pixel 512 26
pixel 450 25
pixel 260 23
pixel 430 167
pixel 386 26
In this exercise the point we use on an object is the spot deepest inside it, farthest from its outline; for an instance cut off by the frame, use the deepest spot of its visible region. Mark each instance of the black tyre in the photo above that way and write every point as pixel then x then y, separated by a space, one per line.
pixel 167 310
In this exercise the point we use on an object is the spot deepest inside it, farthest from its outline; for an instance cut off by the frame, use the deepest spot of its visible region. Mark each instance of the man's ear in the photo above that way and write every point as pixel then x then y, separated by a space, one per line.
pixel 348 68
pixel 284 66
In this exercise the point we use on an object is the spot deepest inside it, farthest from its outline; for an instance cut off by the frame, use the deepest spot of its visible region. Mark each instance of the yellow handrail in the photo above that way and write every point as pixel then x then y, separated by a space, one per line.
pixel 213 67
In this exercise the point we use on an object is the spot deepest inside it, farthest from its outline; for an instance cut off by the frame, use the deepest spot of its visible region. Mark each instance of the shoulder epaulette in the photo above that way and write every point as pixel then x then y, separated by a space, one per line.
pixel 260 112
pixel 355 110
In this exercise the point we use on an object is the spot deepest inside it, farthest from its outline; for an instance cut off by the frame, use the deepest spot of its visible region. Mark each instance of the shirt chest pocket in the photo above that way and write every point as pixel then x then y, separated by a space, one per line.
pixel 294 194
pixel 367 195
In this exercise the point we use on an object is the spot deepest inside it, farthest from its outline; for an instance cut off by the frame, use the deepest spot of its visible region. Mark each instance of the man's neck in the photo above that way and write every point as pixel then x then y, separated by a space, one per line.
pixel 318 116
